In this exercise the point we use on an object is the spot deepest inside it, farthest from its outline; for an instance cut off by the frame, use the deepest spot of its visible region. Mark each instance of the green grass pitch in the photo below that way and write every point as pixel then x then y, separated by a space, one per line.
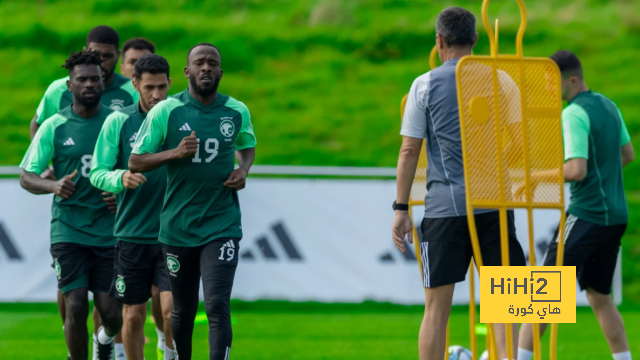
pixel 281 330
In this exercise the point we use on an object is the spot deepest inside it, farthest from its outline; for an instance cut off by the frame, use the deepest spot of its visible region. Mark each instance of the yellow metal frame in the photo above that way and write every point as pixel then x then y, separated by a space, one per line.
pixel 503 203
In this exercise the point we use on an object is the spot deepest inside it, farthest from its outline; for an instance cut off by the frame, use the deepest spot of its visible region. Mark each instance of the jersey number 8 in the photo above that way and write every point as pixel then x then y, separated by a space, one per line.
pixel 210 146
pixel 86 165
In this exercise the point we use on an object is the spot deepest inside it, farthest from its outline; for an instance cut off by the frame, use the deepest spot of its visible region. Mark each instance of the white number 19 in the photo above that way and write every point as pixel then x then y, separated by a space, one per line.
pixel 208 148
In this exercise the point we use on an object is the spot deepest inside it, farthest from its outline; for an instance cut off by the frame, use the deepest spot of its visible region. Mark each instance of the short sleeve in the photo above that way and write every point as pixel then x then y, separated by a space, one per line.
pixel 50 102
pixel 41 150
pixel 105 155
pixel 416 112
pixel 625 138
pixel 153 131
pixel 511 94
pixel 575 132
pixel 246 138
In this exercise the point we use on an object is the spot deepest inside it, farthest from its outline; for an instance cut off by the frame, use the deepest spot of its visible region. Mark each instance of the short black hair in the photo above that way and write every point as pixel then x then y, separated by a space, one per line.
pixel 151 63
pixel 457 26
pixel 568 63
pixel 201 44
pixel 84 57
pixel 104 34
pixel 138 43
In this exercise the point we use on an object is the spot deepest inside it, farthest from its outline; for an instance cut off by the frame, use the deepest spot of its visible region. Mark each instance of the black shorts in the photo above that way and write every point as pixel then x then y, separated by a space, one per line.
pixel 592 249
pixel 446 250
pixel 82 266
pixel 137 266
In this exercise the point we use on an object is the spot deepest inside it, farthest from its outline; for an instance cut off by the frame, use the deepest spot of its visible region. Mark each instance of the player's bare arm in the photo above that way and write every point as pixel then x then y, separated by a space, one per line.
pixel 34 184
pixel 149 162
pixel 33 126
pixel 407 164
pixel 627 154
pixel 237 180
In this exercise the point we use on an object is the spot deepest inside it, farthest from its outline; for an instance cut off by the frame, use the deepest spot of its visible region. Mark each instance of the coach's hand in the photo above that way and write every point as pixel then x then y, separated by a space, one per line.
pixel 132 181
pixel 237 180
pixel 402 227
pixel 187 147
pixel 65 187
pixel 110 199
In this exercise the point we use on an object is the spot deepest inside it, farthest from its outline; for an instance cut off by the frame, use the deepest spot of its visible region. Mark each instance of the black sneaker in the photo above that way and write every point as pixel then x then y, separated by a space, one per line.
pixel 105 351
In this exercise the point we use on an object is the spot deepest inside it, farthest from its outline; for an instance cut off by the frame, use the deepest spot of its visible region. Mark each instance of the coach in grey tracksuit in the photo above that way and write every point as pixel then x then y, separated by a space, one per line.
pixel 431 113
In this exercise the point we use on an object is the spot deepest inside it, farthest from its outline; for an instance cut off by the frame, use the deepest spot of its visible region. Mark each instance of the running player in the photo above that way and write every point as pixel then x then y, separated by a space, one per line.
pixel 198 131
pixel 432 112
pixel 118 93
pixel 118 90
pixel 139 260
pixel 82 242
pixel 596 148
pixel 132 51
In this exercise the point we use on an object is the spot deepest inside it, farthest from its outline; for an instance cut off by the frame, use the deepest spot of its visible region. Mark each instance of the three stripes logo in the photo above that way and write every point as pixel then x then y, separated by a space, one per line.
pixel 8 246
pixel 133 138
pixel 185 127
pixel 69 142
pixel 266 248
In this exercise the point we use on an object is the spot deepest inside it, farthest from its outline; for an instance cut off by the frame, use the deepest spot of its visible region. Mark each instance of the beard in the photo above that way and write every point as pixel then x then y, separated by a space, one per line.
pixel 204 92
pixel 88 102
pixel 108 73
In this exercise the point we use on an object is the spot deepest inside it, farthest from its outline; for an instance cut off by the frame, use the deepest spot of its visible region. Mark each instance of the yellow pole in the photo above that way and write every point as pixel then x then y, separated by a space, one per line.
pixel 472 313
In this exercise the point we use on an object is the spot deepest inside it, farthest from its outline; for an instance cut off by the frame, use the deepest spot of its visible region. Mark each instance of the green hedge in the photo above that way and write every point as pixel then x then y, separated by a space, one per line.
pixel 323 79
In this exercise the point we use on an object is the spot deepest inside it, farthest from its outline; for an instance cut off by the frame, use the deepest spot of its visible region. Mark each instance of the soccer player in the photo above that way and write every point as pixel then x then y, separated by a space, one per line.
pixel 82 242
pixel 596 148
pixel 196 134
pixel 432 112
pixel 118 90
pixel 132 51
pixel 139 260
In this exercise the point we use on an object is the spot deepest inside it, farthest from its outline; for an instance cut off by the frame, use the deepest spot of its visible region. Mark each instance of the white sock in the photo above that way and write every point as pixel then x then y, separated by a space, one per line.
pixel 169 354
pixel 161 339
pixel 622 356
pixel 524 354
pixel 119 350
pixel 103 338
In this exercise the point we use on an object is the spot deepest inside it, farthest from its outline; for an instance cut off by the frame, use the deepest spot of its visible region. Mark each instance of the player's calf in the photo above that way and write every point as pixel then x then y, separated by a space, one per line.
pixel 133 330
pixel 75 326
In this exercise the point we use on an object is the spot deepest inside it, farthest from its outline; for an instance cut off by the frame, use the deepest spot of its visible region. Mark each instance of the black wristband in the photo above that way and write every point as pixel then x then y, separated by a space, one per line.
pixel 401 207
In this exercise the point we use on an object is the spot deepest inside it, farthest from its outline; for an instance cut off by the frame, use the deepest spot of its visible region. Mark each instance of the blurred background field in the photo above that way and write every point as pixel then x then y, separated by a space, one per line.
pixel 323 80
pixel 308 331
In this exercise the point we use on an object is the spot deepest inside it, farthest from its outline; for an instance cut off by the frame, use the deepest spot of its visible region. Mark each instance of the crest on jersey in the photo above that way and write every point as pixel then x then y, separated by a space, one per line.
pixel 227 128
pixel 173 264
pixel 116 104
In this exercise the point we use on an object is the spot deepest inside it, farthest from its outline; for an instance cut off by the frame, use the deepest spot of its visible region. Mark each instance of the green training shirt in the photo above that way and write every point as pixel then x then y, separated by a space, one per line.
pixel 69 140
pixel 117 95
pixel 593 129
pixel 198 208
pixel 138 216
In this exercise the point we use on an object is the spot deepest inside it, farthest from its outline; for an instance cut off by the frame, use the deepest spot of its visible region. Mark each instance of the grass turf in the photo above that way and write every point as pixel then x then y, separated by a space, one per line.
pixel 281 330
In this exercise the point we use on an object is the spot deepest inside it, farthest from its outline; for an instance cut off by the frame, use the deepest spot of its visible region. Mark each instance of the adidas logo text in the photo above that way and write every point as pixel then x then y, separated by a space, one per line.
pixel 69 142
pixel 268 252
pixel 185 127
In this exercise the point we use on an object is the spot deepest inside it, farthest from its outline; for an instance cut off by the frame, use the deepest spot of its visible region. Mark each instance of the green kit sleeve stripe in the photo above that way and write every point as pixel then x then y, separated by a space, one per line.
pixel 154 128
pixel 575 132
pixel 105 155
pixel 42 151
pixel 50 103
pixel 246 138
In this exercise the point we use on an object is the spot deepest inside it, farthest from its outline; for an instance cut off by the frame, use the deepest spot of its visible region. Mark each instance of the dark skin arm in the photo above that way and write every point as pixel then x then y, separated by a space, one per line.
pixel 35 184
pixel 149 162
pixel 237 180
